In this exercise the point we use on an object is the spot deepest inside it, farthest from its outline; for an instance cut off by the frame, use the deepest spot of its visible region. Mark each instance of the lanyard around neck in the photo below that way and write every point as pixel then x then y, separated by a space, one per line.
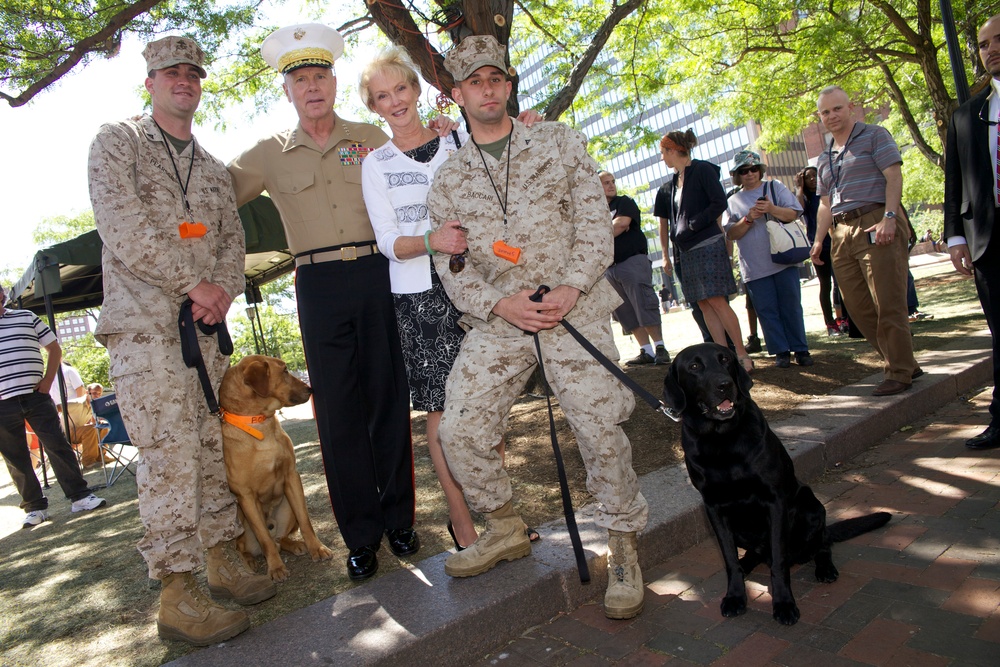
pixel 177 174
pixel 506 194
pixel 840 157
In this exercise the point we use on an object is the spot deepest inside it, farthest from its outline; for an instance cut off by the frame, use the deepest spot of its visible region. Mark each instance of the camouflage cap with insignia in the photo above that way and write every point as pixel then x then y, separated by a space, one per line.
pixel 474 52
pixel 303 45
pixel 170 51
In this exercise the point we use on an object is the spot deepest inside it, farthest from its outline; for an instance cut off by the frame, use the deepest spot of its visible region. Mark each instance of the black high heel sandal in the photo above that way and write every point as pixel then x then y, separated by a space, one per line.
pixel 451 531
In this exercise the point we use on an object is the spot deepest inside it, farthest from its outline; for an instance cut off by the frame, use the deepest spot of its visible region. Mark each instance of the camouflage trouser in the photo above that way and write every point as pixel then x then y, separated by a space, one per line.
pixel 487 378
pixel 184 498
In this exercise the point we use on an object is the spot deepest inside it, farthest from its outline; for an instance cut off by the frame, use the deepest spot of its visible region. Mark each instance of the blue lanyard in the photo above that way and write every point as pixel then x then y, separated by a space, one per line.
pixel 840 158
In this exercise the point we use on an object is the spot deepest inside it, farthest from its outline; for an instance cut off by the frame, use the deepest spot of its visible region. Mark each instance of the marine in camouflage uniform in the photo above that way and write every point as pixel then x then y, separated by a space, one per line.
pixel 141 193
pixel 550 206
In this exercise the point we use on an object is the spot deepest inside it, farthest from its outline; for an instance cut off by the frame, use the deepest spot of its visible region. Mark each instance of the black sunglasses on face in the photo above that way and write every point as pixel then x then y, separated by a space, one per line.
pixel 985 110
pixel 743 171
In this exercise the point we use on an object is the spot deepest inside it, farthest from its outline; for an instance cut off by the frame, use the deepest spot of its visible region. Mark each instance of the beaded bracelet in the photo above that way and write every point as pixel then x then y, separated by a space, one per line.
pixel 427 243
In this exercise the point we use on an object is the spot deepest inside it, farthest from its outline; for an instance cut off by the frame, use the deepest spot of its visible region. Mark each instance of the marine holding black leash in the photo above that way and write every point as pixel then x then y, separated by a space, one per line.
pixel 536 213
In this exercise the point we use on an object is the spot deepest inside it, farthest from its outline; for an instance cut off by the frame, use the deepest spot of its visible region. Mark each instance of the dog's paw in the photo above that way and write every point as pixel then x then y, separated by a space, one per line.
pixel 733 606
pixel 786 613
pixel 826 573
pixel 278 573
pixel 294 547
pixel 320 552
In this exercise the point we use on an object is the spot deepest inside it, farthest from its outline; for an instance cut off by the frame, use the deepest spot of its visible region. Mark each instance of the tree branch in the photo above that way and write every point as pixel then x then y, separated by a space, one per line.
pixel 562 99
pixel 87 45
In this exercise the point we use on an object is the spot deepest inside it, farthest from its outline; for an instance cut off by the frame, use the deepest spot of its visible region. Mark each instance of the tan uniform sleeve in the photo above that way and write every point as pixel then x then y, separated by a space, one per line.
pixel 231 252
pixel 592 250
pixel 132 229
pixel 247 172
pixel 469 289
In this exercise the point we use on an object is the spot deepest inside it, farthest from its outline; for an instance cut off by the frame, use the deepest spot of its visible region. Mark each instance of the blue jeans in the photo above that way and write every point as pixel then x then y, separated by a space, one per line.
pixel 778 300
pixel 40 413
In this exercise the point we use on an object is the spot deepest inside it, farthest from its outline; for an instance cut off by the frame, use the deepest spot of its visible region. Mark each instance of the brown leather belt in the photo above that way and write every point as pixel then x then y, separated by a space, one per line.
pixel 345 253
pixel 855 213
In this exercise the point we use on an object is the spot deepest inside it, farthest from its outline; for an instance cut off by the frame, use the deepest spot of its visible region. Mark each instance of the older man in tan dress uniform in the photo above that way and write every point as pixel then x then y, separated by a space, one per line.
pixel 356 368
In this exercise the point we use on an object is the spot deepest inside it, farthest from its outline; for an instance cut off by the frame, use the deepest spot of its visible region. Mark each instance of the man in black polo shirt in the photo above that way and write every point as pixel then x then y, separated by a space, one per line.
pixel 632 277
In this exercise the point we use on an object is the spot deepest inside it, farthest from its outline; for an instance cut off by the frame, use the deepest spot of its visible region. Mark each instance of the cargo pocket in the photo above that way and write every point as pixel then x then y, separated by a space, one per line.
pixel 149 413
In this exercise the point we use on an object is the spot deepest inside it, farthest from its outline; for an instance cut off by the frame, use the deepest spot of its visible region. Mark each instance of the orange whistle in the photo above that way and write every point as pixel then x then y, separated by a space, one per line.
pixel 504 251
pixel 192 230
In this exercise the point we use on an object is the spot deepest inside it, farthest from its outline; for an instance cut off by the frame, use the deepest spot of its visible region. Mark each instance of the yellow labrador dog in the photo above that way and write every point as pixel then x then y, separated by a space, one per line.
pixel 260 462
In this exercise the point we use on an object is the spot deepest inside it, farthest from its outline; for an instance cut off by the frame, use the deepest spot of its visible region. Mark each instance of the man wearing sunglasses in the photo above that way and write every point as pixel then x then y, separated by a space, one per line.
pixel 971 198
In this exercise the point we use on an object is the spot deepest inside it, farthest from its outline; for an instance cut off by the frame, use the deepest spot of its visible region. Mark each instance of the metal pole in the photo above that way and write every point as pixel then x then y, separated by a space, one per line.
pixel 955 54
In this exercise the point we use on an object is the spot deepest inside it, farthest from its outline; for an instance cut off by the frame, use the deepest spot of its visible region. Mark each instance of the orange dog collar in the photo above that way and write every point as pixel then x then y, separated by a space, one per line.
pixel 243 422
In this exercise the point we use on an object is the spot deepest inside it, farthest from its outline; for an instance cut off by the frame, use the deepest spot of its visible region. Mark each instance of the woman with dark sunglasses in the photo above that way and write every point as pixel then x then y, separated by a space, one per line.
pixel 773 287
pixel 688 207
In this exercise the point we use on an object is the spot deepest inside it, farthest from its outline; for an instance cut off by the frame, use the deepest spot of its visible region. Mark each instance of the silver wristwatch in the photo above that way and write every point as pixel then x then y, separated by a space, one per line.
pixel 890 214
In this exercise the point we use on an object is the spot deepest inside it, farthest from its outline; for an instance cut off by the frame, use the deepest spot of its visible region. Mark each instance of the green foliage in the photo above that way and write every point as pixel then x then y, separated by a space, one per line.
pixel 923 219
pixel 923 181
pixel 90 359
pixel 44 40
pixel 62 228
pixel 280 325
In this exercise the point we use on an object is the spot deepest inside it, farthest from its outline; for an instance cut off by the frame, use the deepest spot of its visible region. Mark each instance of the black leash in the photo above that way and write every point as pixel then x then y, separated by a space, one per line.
pixel 655 403
pixel 191 352
pixel 574 532
pixel 615 370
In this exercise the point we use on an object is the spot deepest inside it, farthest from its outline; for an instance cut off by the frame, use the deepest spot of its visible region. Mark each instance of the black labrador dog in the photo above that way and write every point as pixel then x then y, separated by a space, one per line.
pixel 747 481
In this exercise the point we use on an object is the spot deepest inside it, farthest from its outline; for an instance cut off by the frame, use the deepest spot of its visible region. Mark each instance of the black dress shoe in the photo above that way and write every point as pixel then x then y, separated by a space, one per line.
pixel 403 541
pixel 988 439
pixel 362 563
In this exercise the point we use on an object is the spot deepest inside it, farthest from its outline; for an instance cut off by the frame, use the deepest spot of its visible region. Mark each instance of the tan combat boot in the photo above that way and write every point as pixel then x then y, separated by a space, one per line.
pixel 503 539
pixel 187 614
pixel 623 598
pixel 229 578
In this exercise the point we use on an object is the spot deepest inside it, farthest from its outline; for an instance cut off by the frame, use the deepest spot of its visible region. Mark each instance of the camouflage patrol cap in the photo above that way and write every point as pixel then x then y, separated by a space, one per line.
pixel 474 52
pixel 170 51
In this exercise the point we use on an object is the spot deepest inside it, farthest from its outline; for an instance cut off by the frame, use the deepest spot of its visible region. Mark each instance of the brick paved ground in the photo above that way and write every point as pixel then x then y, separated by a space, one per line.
pixel 923 591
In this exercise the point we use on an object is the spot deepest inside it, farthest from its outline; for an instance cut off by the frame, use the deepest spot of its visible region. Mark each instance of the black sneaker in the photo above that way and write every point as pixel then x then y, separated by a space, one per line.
pixel 753 344
pixel 804 359
pixel 662 356
pixel 642 360
pixel 783 359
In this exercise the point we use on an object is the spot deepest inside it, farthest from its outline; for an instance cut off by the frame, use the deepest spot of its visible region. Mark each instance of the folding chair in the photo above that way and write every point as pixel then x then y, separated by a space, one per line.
pixel 114 438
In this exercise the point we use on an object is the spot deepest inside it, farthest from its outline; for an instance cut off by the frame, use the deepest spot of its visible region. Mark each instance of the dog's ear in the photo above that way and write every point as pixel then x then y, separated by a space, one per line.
pixel 673 395
pixel 743 379
pixel 257 376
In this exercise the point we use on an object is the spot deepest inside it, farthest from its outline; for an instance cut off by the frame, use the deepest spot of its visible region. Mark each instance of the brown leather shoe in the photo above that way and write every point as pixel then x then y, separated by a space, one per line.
pixel 890 387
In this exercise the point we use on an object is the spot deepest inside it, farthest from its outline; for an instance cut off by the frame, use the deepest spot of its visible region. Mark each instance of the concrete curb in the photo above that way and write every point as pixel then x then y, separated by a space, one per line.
pixel 421 615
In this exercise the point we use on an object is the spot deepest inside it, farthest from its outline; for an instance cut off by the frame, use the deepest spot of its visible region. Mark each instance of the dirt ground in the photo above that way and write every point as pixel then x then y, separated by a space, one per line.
pixel 76 590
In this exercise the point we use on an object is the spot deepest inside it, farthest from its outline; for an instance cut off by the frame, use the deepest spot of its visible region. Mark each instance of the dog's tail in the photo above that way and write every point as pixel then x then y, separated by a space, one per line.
pixel 848 528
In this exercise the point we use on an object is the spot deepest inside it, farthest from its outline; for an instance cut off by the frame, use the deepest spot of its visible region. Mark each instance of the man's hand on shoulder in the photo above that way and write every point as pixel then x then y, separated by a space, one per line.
pixel 211 302
pixel 528 315
pixel 961 258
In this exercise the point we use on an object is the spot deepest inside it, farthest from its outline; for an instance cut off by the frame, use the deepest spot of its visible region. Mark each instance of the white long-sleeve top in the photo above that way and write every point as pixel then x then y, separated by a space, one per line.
pixel 395 189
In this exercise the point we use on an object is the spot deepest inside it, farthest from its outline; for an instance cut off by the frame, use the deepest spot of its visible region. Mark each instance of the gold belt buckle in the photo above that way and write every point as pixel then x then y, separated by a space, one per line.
pixel 349 256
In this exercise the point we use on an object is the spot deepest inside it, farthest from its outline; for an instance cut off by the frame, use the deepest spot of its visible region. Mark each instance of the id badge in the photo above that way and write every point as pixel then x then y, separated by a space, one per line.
pixel 835 198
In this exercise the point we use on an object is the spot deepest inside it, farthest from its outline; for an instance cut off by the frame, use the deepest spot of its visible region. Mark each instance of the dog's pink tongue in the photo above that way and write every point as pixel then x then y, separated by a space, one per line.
pixel 725 406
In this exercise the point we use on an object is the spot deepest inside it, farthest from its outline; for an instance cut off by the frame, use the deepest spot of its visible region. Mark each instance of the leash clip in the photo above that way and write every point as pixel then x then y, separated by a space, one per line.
pixel 670 412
